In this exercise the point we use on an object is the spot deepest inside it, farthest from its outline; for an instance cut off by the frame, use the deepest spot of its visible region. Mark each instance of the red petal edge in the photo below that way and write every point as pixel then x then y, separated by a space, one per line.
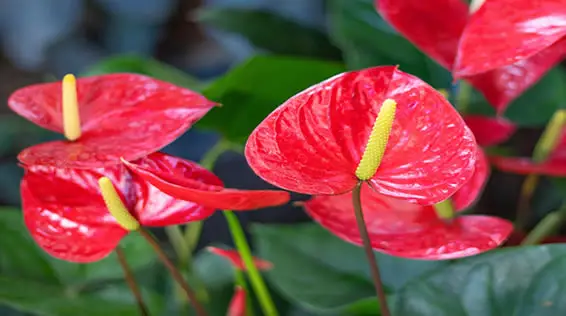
pixel 490 131
pixel 236 260
pixel 471 191
pixel 238 303
pixel 407 230
pixel 176 177
pixel 505 32
pixel 313 143
pixel 122 115
pixel 65 214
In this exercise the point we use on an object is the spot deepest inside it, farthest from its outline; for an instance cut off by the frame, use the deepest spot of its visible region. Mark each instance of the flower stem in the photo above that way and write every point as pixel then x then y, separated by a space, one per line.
pixel 463 96
pixel 174 272
pixel 444 209
pixel 546 227
pixel 131 280
pixel 192 234
pixel 357 203
pixel 523 205
pixel 256 280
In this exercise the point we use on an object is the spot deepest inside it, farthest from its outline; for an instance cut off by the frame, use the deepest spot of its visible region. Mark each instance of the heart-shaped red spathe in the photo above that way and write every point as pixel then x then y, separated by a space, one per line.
pixel 236 260
pixel 554 165
pixel 471 191
pixel 313 143
pixel 490 131
pixel 436 26
pixel 181 184
pixel 122 115
pixel 505 32
pixel 407 230
pixel 66 215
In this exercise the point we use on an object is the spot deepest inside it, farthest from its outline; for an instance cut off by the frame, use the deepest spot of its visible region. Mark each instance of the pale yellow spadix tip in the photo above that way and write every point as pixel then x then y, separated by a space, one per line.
pixel 115 205
pixel 71 118
pixel 377 142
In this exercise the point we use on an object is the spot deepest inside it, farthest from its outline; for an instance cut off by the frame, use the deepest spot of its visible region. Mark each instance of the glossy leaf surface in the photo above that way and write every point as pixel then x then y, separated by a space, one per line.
pixel 176 177
pixel 313 143
pixel 436 27
pixel 490 131
pixel 505 32
pixel 407 230
pixel 67 217
pixel 236 260
pixel 122 115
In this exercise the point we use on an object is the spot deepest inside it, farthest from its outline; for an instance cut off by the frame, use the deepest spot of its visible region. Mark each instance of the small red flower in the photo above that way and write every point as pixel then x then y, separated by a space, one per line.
pixel 407 230
pixel 67 216
pixel 183 186
pixel 314 142
pixel 437 26
pixel 507 32
pixel 236 260
pixel 121 115
pixel 554 165
pixel 490 131
pixel 237 305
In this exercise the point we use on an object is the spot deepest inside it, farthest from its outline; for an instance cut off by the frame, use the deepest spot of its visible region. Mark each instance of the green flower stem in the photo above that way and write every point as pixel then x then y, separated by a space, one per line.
pixel 256 280
pixel 444 209
pixel 175 236
pixel 523 213
pixel 131 281
pixel 546 227
pixel 357 203
pixel 463 96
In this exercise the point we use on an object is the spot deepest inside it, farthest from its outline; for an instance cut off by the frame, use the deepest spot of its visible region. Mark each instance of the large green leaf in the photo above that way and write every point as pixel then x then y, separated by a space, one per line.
pixel 19 255
pixel 514 281
pixel 323 273
pixel 253 89
pixel 367 40
pixel 50 300
pixel 144 66
pixel 271 32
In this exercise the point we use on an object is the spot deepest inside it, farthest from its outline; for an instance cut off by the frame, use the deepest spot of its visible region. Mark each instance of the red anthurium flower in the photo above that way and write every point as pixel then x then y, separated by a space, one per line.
pixel 118 115
pixel 67 216
pixel 554 165
pixel 315 141
pixel 237 305
pixel 408 230
pixel 436 27
pixel 183 186
pixel 490 131
pixel 236 260
pixel 505 32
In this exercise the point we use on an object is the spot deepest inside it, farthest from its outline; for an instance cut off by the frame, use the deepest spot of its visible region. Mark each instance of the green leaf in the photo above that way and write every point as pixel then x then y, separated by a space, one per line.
pixel 325 274
pixel 17 133
pixel 144 66
pixel 19 255
pixel 518 281
pixel 367 40
pixel 49 300
pixel 253 89
pixel 271 32
pixel 138 253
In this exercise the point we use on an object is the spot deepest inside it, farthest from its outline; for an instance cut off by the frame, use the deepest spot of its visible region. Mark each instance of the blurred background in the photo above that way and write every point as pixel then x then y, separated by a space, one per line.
pixel 249 55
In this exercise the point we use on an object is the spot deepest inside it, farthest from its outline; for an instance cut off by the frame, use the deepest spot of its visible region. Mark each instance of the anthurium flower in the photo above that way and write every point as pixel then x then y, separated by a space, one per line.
pixel 505 32
pixel 490 131
pixel 67 215
pixel 438 26
pixel 236 260
pixel 105 118
pixel 237 305
pixel 403 229
pixel 378 125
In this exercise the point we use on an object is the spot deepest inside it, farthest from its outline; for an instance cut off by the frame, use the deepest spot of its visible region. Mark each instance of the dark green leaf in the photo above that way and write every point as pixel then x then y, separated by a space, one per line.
pixel 271 32
pixel 323 273
pixel 512 281
pixel 144 66
pixel 17 133
pixel 367 40
pixel 252 90
pixel 19 255
pixel 51 300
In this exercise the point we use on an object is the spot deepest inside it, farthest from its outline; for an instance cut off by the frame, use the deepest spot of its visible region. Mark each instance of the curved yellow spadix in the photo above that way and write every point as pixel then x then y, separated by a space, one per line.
pixel 71 118
pixel 115 205
pixel 377 142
